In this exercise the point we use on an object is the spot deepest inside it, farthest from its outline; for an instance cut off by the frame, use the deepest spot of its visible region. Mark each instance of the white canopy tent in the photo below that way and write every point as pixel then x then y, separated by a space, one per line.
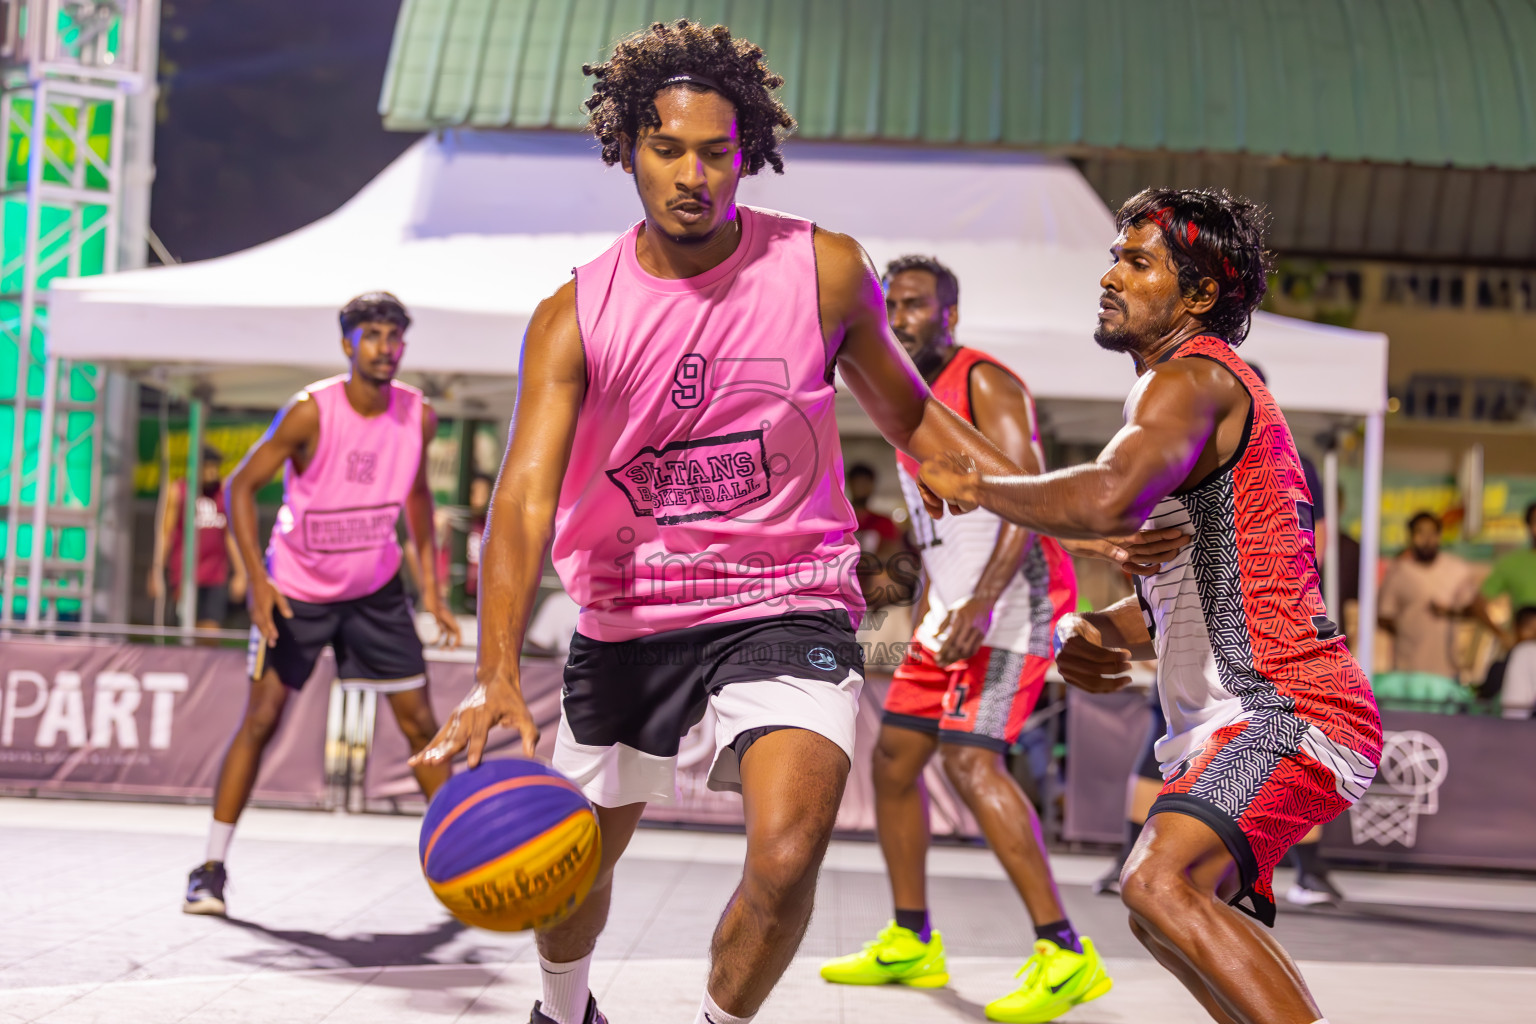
pixel 472 230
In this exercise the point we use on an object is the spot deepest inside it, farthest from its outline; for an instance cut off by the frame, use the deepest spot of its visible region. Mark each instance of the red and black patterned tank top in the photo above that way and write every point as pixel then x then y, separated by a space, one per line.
pixel 1238 618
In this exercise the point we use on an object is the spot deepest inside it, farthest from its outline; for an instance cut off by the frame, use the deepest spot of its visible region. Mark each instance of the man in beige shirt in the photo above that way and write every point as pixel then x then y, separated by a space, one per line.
pixel 1421 598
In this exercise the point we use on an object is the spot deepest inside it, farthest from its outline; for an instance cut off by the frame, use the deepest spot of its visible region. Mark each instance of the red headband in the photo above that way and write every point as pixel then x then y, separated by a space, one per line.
pixel 1163 218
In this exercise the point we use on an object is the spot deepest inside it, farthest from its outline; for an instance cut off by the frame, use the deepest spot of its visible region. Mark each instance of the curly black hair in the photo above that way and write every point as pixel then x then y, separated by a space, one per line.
pixel 624 87
pixel 1210 233
pixel 946 284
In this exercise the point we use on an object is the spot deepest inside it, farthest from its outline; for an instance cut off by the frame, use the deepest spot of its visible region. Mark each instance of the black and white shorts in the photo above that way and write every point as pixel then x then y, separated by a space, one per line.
pixel 374 638
pixel 626 706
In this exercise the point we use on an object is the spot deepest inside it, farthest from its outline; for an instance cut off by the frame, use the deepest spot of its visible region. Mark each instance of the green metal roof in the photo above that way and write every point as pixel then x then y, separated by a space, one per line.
pixel 1438 82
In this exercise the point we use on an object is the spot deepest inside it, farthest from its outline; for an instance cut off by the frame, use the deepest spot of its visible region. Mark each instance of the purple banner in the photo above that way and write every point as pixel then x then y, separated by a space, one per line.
pixel 1104 736
pixel 1452 790
pixel 141 720
pixel 388 784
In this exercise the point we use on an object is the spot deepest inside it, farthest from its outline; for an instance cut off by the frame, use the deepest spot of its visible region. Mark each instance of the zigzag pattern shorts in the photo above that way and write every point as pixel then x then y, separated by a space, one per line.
pixel 1255 787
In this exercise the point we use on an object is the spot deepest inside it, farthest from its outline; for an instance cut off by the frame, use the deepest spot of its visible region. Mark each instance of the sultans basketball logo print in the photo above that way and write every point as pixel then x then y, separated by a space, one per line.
pixel 709 478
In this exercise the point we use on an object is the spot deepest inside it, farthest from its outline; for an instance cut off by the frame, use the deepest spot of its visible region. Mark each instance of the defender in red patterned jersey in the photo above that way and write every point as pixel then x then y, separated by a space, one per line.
pixel 1272 728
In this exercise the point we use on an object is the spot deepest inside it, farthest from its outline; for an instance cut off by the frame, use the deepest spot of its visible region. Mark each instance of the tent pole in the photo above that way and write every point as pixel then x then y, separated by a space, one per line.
pixel 43 491
pixel 1331 513
pixel 189 517
pixel 1370 542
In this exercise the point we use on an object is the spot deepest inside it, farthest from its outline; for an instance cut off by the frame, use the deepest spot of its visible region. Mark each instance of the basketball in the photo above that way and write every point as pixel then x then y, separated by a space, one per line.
pixel 510 845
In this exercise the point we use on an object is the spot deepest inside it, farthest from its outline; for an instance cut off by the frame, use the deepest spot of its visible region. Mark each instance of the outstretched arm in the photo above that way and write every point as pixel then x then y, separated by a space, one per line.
pixel 551 383
pixel 876 368
pixel 1171 417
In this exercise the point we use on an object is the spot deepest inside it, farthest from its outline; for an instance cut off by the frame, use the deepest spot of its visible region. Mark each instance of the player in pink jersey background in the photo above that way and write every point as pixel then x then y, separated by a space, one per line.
pixel 352 449
pixel 675 442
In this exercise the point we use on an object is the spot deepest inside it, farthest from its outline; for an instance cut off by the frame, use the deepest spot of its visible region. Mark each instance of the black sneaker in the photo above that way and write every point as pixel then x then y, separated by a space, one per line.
pixel 1312 890
pixel 592 1016
pixel 205 889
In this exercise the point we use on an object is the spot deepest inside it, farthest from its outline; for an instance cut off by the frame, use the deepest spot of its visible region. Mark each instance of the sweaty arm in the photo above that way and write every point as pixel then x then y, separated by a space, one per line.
pixel 418 521
pixel 551 382
pixel 1172 420
pixel 876 368
pixel 292 436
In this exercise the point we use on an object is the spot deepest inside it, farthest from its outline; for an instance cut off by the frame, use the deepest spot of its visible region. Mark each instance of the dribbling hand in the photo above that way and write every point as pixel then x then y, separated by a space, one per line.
pixel 261 601
pixel 1084 661
pixel 499 702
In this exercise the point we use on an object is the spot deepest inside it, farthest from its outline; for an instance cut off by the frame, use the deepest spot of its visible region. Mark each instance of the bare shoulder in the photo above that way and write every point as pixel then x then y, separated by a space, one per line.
pixel 991 382
pixel 841 262
pixel 428 419
pixel 552 348
pixel 1186 386
pixel 848 289
pixel 300 417
pixel 557 312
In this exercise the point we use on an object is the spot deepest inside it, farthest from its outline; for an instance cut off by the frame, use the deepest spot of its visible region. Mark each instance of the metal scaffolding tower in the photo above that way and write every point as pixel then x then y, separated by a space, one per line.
pixel 76 112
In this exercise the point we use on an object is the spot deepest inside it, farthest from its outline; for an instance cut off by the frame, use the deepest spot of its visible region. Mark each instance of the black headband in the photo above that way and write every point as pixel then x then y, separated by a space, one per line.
pixel 690 78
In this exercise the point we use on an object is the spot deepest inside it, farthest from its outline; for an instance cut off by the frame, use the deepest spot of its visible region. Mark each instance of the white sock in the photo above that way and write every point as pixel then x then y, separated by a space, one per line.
pixel 219 835
pixel 565 990
pixel 710 1013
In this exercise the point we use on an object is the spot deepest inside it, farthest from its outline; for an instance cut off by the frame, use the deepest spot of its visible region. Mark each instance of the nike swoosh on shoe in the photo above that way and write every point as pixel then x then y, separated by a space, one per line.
pixel 897 963
pixel 1065 981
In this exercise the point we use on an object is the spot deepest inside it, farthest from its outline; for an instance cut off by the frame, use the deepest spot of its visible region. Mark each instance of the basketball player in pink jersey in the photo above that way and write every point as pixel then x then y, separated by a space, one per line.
pixel 1272 728
pixel 993 593
pixel 675 438
pixel 351 448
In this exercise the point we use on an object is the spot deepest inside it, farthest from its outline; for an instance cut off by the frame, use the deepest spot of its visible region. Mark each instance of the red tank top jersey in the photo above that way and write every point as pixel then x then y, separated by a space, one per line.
pixel 1238 618
pixel 956 549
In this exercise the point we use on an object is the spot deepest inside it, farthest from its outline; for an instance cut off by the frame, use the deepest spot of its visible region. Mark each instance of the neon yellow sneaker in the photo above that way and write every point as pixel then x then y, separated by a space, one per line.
pixel 1055 980
pixel 896 956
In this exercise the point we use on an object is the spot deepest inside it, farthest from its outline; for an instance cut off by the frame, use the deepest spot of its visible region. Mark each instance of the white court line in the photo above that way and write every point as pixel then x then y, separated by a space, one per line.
pixel 1408 890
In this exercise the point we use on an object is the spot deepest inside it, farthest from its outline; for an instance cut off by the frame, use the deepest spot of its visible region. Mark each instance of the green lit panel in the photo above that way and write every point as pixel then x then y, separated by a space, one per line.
pixel 29 456
pixel 60 139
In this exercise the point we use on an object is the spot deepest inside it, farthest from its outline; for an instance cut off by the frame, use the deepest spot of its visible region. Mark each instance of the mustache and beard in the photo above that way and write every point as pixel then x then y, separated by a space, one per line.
pixel 1128 336
pixel 925 355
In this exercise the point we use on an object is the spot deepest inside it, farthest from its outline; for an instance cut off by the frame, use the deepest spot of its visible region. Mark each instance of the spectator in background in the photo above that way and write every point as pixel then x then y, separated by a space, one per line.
pixel 1513 679
pixel 1514 575
pixel 880 540
pixel 220 575
pixel 1519 697
pixel 874 531
pixel 1425 590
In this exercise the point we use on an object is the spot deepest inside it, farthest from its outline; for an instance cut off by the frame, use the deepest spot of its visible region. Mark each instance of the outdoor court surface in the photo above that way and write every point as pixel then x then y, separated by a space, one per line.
pixel 331 922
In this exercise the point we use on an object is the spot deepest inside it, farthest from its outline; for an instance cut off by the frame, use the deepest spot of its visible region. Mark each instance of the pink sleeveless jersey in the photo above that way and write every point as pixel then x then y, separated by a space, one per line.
pixel 706 478
pixel 334 539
